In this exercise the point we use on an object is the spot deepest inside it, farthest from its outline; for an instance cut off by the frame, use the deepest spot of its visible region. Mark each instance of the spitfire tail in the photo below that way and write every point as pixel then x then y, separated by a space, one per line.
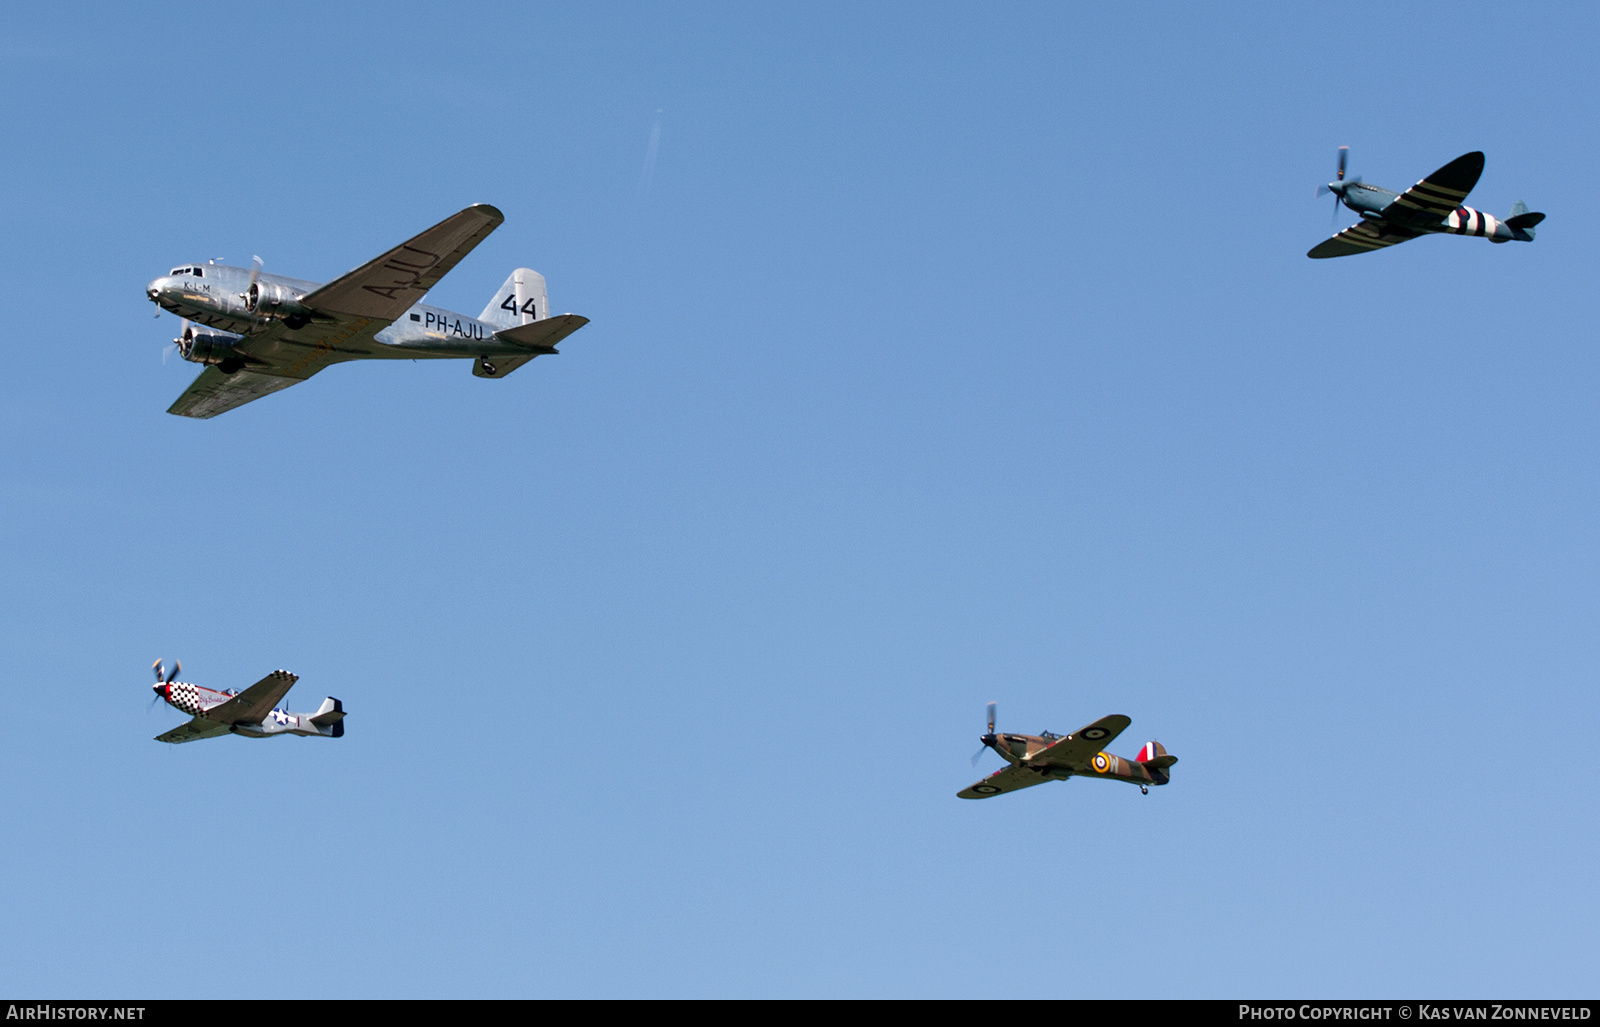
pixel 1154 758
pixel 520 300
pixel 1521 221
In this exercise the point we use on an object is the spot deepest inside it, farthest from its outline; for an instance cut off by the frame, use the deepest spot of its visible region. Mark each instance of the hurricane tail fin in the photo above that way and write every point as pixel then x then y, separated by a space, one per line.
pixel 1156 760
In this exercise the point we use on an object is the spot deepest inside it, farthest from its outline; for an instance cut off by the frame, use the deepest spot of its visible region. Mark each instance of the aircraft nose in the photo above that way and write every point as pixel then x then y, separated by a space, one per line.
pixel 159 688
pixel 156 288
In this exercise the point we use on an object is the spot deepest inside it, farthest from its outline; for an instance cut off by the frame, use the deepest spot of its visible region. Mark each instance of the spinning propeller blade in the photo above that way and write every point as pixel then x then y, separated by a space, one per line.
pixel 255 276
pixel 156 666
pixel 1344 159
pixel 177 668
pixel 988 735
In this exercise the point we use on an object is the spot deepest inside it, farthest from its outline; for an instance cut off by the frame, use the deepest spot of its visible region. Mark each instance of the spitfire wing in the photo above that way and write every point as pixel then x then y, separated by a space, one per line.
pixel 1076 750
pixel 1431 200
pixel 386 287
pixel 198 728
pixel 216 393
pixel 1362 238
pixel 1006 779
pixel 255 702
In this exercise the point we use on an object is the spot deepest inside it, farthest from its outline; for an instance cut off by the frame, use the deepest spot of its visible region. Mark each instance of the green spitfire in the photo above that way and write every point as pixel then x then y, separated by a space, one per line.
pixel 1036 759
pixel 1434 206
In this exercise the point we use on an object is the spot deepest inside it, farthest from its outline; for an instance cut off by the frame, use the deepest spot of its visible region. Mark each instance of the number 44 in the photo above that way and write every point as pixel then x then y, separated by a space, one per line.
pixel 527 308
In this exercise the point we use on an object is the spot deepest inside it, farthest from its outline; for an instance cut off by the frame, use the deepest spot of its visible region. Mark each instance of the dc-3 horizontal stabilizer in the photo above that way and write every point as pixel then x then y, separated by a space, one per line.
pixel 1035 759
pixel 253 712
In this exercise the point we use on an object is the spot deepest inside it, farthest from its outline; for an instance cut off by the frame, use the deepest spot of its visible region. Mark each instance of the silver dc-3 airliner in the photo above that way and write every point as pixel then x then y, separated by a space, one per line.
pixel 273 331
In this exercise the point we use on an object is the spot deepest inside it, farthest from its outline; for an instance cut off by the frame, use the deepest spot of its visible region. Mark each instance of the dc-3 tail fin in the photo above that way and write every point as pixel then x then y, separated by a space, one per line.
pixel 522 299
pixel 1156 760
pixel 1521 221
pixel 330 715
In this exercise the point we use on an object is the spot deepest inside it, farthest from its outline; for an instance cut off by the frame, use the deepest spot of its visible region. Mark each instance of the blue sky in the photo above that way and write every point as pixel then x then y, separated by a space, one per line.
pixel 940 354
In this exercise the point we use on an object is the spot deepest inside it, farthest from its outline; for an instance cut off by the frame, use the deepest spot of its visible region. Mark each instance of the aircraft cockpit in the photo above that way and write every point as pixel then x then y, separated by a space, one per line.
pixel 180 271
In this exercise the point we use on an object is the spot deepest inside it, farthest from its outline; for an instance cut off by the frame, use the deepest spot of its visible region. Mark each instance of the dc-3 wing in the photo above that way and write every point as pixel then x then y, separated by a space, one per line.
pixel 195 730
pixel 1006 779
pixel 216 393
pixel 351 310
pixel 388 286
pixel 1076 750
pixel 254 703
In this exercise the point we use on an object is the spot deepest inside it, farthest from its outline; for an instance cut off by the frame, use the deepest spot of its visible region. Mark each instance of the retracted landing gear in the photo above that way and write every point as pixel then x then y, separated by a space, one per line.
pixel 1143 790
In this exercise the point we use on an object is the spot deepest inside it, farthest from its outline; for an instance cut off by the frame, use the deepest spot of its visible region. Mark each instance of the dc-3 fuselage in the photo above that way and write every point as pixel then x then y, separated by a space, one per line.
pixel 253 712
pixel 268 332
pixel 1035 759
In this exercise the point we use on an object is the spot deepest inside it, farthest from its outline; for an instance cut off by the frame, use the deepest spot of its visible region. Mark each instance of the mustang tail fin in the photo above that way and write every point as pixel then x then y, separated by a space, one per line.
pixel 1521 221
pixel 330 715
pixel 522 299
pixel 1155 759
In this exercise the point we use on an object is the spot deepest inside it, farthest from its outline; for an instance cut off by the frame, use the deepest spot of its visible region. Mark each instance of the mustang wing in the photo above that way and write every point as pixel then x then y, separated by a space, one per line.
pixel 255 702
pixel 1431 200
pixel 1362 238
pixel 196 729
pixel 386 287
pixel 1006 779
pixel 1076 750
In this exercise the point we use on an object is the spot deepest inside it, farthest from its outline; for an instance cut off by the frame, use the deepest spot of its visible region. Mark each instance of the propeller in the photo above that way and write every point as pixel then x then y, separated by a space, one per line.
pixel 183 335
pixel 160 687
pixel 988 736
pixel 255 276
pixel 1334 186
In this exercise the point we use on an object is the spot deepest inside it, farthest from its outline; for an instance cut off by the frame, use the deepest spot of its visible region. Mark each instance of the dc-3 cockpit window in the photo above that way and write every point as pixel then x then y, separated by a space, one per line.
pixel 179 271
pixel 197 272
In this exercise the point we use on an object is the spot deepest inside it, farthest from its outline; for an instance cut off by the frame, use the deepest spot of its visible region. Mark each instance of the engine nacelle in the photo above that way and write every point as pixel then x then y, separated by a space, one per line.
pixel 269 299
pixel 210 348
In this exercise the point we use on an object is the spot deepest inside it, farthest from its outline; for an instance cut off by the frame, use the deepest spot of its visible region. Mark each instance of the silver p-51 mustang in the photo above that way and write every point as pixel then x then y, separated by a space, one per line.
pixel 252 712
pixel 274 331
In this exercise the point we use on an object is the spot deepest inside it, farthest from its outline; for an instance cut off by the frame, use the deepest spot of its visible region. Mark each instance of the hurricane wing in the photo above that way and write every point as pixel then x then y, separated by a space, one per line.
pixel 1076 750
pixel 1006 779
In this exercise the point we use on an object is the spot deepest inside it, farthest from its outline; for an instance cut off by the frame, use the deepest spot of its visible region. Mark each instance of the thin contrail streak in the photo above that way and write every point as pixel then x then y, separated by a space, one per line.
pixel 648 173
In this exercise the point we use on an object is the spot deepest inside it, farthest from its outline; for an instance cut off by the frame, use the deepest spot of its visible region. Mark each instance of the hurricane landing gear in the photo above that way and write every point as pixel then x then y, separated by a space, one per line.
pixel 232 365
pixel 488 369
pixel 1143 790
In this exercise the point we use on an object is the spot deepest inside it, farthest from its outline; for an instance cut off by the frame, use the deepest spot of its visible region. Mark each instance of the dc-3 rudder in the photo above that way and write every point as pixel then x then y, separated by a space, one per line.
pixel 274 332
pixel 1036 759
pixel 252 712
pixel 1431 207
